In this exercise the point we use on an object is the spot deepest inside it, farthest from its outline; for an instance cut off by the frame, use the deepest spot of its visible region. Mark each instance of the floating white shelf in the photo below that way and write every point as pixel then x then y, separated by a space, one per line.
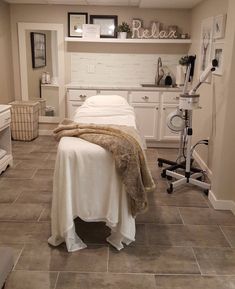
pixel 129 40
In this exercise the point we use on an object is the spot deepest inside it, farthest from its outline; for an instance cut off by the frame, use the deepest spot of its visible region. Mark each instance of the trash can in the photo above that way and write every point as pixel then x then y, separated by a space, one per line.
pixel 50 111
pixel 24 120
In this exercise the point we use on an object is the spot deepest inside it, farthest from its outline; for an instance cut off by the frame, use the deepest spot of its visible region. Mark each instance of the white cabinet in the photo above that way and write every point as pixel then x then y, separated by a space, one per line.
pixel 5 138
pixel 147 115
pixel 146 106
pixel 75 98
pixel 123 93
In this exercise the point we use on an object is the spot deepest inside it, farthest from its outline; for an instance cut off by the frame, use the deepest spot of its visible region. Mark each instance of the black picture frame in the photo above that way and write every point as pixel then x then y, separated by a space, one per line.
pixel 75 21
pixel 38 47
pixel 105 21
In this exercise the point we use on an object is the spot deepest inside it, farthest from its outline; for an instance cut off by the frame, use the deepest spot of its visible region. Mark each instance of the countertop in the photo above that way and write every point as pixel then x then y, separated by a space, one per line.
pixel 121 87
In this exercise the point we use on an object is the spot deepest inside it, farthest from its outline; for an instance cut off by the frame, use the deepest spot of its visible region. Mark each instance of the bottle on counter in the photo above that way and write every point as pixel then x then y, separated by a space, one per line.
pixel 43 79
pixel 48 78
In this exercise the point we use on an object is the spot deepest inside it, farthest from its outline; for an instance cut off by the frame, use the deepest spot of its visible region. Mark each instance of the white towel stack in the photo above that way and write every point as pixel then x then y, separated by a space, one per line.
pixel 2 153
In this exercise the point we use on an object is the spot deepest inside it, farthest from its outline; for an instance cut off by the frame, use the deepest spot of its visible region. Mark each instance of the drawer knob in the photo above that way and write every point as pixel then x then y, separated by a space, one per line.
pixel 82 96
pixel 145 97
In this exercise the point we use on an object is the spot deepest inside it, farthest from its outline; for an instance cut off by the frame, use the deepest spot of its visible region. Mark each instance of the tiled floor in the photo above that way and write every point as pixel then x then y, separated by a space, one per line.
pixel 181 242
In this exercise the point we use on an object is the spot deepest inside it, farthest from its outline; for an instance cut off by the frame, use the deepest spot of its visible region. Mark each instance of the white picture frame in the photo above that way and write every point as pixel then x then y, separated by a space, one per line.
pixel 206 41
pixel 91 31
pixel 218 54
pixel 219 26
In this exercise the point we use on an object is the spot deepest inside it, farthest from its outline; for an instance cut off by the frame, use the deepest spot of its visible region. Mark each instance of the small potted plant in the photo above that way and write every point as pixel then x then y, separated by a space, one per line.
pixel 123 29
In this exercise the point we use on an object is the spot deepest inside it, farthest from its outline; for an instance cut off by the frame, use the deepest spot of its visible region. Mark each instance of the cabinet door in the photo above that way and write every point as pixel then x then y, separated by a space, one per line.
pixel 165 132
pixel 72 106
pixel 147 119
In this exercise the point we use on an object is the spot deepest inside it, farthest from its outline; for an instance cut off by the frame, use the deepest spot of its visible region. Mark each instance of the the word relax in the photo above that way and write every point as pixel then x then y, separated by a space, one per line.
pixel 154 32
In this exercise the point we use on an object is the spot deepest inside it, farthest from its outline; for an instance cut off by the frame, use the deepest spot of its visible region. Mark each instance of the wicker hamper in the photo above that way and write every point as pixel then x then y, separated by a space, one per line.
pixel 24 120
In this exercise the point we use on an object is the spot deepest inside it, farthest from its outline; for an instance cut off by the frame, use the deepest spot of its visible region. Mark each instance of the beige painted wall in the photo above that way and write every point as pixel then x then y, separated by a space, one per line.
pixel 205 120
pixel 34 74
pixel 6 71
pixel 58 14
pixel 215 119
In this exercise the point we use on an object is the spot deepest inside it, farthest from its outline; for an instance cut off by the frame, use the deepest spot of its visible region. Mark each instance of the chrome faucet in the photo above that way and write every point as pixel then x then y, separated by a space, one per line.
pixel 160 72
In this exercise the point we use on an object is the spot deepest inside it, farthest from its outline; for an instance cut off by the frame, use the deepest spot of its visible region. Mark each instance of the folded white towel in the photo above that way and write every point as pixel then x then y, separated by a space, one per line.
pixel 2 153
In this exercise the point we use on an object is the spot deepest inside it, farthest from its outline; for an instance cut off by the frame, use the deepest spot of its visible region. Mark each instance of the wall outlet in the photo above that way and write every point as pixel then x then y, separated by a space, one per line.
pixel 91 68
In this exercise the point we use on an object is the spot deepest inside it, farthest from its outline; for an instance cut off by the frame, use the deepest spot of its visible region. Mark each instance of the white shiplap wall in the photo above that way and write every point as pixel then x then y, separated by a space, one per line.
pixel 118 69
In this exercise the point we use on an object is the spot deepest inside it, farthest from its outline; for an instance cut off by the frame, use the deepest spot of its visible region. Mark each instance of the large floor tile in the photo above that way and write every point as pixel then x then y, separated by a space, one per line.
pixel 183 197
pixel 31 280
pixel 30 156
pixel 46 215
pixel 42 257
pixel 8 194
pixel 205 216
pixel 18 173
pixel 229 232
pixel 160 215
pixel 21 185
pixel 16 249
pixel 153 259
pixel 35 164
pixel 188 235
pixel 195 282
pixel 16 232
pixel 104 281
pixel 35 197
pixel 216 261
pixel 20 212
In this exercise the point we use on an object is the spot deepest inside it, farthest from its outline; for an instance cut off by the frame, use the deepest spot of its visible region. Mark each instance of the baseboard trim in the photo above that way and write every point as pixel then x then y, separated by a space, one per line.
pixel 202 164
pixel 45 132
pixel 221 204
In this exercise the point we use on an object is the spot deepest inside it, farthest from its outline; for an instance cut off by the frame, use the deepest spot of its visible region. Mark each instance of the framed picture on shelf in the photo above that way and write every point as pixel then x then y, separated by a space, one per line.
pixel 108 25
pixel 219 26
pixel 75 23
pixel 218 54
pixel 206 39
pixel 38 47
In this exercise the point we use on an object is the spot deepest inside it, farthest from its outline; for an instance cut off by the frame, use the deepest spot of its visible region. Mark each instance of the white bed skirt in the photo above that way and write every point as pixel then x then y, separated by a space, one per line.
pixel 86 185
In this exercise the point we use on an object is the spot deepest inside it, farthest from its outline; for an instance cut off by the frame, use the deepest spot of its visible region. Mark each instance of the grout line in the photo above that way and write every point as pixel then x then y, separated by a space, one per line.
pixel 41 214
pixel 196 260
pixel 21 251
pixel 181 216
pixel 56 281
pixel 225 236
pixel 18 196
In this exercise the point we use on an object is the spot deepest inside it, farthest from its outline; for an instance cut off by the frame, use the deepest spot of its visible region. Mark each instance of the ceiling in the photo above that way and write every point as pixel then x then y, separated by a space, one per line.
pixel 172 4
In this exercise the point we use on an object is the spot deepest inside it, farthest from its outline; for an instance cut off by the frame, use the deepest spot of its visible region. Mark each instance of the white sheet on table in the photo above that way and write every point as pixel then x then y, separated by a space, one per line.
pixel 86 183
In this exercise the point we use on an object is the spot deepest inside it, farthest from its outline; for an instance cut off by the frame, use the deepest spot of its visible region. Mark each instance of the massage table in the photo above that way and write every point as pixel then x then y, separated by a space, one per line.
pixel 86 184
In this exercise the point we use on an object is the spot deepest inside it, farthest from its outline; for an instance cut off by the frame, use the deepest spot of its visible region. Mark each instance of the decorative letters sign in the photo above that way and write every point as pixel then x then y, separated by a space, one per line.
pixel 153 32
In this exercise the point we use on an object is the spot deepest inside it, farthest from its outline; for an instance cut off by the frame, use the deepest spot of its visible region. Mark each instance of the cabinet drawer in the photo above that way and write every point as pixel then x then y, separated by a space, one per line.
pixel 171 97
pixel 80 94
pixel 5 118
pixel 122 93
pixel 145 97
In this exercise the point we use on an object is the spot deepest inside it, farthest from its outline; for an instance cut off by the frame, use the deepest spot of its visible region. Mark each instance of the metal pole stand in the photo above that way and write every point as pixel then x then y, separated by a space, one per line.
pixel 190 176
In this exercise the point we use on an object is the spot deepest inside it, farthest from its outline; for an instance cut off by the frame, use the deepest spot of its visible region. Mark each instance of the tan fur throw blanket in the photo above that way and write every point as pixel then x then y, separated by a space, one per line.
pixel 124 143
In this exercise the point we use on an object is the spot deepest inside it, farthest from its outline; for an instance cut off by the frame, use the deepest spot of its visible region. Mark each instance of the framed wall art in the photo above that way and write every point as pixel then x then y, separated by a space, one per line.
pixel 75 23
pixel 206 39
pixel 38 47
pixel 219 26
pixel 218 54
pixel 108 25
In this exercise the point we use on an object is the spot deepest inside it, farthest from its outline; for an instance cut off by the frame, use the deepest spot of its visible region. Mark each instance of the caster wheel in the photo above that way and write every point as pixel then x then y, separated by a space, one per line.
pixel 206 192
pixel 170 189
pixel 163 174
pixel 160 164
pixel 169 178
